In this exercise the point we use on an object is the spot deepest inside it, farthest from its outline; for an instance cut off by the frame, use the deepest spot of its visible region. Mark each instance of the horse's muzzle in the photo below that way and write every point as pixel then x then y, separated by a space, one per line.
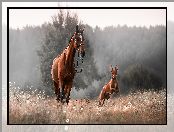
pixel 113 77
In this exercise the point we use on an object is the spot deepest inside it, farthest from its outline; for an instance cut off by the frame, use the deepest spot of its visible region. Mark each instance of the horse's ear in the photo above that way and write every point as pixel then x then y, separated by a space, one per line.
pixel 77 29
pixel 82 30
pixel 110 68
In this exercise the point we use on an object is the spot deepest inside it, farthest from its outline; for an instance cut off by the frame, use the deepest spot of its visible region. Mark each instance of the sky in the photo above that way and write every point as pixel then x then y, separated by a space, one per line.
pixel 94 17
pixel 102 18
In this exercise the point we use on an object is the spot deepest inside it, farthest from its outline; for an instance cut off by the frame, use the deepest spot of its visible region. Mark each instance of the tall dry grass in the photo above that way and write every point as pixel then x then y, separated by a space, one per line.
pixel 148 107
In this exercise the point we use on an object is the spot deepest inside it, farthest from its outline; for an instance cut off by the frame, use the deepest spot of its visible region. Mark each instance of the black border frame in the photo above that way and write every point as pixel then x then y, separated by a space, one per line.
pixel 8 8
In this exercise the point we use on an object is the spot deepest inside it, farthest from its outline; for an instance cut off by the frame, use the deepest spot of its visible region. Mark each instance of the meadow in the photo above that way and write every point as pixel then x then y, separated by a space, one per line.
pixel 35 107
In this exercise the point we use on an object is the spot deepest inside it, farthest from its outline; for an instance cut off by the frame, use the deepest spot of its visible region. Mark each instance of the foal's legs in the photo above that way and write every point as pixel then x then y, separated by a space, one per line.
pixel 101 102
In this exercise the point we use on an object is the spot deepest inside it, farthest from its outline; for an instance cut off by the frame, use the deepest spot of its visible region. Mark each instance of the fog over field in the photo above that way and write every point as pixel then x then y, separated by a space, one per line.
pixel 23 58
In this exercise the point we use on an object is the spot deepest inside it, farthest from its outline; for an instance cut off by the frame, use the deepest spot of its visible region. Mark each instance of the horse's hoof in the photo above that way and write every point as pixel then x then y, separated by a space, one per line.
pixel 63 101
pixel 67 102
pixel 58 100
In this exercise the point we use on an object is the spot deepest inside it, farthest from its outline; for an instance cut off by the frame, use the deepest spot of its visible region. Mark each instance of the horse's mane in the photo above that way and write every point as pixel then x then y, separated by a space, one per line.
pixel 70 39
pixel 65 48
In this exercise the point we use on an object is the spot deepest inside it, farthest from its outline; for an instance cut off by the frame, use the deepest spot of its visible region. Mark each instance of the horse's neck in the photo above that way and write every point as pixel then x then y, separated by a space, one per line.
pixel 70 54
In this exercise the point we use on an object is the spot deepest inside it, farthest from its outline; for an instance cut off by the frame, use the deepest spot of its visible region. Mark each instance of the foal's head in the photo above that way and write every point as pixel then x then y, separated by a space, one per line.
pixel 114 71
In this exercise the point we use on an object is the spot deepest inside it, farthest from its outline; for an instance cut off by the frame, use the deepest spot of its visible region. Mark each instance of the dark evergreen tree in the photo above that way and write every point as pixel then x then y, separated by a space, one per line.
pixel 57 35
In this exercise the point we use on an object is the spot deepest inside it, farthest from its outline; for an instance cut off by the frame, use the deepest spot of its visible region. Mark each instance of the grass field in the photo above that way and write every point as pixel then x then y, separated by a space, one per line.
pixel 146 107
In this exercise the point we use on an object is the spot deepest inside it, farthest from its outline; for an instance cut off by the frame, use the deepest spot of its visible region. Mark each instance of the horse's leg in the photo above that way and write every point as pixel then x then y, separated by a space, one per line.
pixel 65 90
pixel 61 87
pixel 99 102
pixel 103 101
pixel 101 96
pixel 69 86
pixel 103 93
pixel 57 91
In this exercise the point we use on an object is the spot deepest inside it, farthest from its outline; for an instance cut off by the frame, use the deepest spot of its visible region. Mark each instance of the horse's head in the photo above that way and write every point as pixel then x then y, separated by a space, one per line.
pixel 114 71
pixel 79 41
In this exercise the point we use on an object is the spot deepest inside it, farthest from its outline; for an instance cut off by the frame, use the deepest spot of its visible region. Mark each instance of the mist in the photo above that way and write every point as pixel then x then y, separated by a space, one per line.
pixel 23 59
pixel 126 45
pixel 122 45
pixel 90 92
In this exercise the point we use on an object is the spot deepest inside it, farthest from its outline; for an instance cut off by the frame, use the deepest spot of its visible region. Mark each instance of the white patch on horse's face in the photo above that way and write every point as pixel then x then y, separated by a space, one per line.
pixel 80 37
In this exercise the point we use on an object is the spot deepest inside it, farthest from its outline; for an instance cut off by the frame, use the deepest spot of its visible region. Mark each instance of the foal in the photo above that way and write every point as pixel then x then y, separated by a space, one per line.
pixel 110 87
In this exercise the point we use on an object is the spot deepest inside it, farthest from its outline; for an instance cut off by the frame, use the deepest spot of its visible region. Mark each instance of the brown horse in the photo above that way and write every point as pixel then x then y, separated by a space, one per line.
pixel 63 68
pixel 110 87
